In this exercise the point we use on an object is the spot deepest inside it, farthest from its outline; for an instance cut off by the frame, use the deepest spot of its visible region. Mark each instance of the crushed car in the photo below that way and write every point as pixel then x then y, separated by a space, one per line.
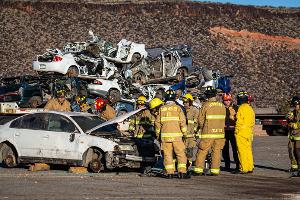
pixel 25 90
pixel 162 63
pixel 71 138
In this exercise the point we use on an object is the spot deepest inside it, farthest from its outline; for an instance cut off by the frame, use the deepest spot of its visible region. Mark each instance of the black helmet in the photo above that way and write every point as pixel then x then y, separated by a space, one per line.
pixel 210 91
pixel 170 95
pixel 242 97
pixel 295 101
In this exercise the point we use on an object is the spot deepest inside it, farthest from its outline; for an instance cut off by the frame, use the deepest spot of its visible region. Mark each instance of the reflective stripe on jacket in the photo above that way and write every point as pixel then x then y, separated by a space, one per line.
pixel 212 119
pixel 192 117
pixel 142 124
pixel 294 126
pixel 245 120
pixel 170 124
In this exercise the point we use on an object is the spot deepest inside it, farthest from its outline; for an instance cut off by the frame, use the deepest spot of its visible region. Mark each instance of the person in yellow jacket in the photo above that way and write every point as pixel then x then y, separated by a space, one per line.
pixel 192 114
pixel 60 103
pixel 211 121
pixel 293 119
pixel 170 127
pixel 142 124
pixel 245 120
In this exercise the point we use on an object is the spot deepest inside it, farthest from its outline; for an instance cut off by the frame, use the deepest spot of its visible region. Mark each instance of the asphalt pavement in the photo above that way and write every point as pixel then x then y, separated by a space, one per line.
pixel 270 180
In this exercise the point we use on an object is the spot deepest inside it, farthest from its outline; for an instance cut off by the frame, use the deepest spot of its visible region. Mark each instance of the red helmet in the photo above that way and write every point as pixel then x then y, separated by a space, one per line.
pixel 250 98
pixel 100 103
pixel 227 97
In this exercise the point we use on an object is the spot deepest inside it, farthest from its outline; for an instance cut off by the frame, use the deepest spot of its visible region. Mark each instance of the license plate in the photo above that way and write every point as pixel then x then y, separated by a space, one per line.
pixel 42 66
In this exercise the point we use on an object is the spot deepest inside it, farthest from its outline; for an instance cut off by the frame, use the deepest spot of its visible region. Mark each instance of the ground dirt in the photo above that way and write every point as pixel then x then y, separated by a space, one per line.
pixel 270 180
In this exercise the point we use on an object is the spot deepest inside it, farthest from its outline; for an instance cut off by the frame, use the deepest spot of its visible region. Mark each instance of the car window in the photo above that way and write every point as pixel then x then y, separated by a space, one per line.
pixel 59 123
pixel 7 118
pixel 87 122
pixel 37 121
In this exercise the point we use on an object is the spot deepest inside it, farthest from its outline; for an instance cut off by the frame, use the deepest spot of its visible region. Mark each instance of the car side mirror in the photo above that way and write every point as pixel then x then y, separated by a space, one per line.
pixel 72 137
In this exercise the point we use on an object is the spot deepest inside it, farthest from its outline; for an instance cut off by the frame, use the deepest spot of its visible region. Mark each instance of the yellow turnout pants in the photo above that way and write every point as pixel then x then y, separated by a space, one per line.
pixel 179 149
pixel 216 145
pixel 244 148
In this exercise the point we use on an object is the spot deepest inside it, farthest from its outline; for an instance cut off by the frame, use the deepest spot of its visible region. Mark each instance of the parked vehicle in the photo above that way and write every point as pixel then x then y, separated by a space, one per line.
pixel 72 139
pixel 25 90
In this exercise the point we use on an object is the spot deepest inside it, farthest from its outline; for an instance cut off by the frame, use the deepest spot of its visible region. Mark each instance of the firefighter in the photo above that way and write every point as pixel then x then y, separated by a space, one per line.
pixel 211 121
pixel 154 106
pixel 170 126
pixel 59 103
pixel 142 124
pixel 245 120
pixel 230 119
pixel 293 118
pixel 192 120
pixel 105 111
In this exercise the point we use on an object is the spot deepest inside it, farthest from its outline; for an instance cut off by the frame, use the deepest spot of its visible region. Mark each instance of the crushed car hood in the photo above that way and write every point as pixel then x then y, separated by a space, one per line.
pixel 115 120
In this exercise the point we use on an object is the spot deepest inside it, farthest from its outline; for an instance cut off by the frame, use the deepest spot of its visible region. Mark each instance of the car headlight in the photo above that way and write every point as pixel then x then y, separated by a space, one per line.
pixel 126 148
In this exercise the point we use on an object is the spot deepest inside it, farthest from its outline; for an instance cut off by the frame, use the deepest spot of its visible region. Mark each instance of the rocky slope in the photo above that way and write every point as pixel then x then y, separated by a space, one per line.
pixel 259 46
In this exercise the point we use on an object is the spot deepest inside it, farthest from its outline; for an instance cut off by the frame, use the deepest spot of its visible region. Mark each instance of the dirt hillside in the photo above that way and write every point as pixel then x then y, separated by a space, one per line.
pixel 259 46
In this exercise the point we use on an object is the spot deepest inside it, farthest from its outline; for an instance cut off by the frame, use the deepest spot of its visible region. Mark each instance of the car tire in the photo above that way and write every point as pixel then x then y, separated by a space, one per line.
pixel 114 95
pixel 182 71
pixel 73 71
pixel 96 164
pixel 136 57
pixel 139 77
pixel 35 101
pixel 8 156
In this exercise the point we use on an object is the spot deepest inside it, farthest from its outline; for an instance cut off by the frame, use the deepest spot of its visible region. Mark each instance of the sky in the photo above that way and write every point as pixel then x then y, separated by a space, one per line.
pixel 274 3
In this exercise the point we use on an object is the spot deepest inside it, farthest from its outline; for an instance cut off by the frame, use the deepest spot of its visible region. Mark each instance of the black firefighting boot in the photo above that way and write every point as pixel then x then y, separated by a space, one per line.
pixel 184 175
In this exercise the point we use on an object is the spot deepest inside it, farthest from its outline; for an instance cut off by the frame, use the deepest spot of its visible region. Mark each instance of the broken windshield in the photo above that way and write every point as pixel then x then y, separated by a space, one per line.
pixel 87 122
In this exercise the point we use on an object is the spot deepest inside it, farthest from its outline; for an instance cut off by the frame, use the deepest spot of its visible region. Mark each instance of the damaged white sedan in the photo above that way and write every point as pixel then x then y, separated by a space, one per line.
pixel 77 139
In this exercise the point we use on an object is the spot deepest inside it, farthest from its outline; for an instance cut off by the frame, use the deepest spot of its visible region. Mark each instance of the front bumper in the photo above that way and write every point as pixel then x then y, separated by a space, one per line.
pixel 125 159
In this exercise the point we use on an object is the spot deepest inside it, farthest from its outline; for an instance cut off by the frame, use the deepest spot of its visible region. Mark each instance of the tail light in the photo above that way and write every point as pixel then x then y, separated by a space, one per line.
pixel 57 58
pixel 97 82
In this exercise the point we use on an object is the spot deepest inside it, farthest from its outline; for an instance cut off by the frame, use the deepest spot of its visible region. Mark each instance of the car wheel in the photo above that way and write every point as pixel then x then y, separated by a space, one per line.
pixel 35 101
pixel 139 77
pixel 114 95
pixel 182 71
pixel 73 71
pixel 160 93
pixel 8 156
pixel 136 57
pixel 96 165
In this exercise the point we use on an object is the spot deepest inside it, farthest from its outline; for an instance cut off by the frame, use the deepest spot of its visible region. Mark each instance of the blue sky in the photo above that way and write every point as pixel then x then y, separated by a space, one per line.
pixel 274 3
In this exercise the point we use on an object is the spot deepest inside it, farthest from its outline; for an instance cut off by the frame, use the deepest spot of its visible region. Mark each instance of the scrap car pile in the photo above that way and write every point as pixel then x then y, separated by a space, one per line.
pixel 128 69
pixel 86 71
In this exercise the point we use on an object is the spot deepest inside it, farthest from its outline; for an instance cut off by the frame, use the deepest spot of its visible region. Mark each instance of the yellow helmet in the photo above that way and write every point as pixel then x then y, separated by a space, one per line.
pixel 141 100
pixel 155 102
pixel 188 96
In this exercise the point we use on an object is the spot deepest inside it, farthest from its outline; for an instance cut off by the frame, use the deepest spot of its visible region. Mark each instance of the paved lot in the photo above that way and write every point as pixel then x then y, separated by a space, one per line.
pixel 269 181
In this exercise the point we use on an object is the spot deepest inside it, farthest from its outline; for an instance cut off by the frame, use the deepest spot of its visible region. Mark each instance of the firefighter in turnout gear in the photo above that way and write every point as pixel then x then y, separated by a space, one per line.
pixel 192 119
pixel 211 122
pixel 170 126
pixel 293 118
pixel 59 103
pixel 245 120
pixel 105 111
pixel 230 119
pixel 142 124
